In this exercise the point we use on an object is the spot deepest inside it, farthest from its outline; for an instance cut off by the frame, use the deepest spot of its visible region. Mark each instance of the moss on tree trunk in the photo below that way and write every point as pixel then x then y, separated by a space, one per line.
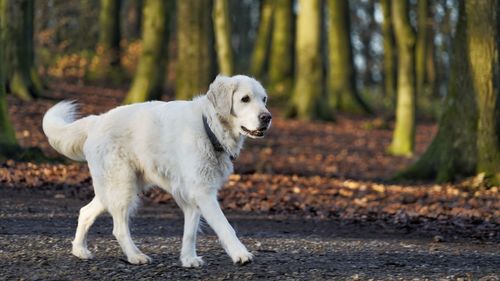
pixel 403 141
pixel 280 62
pixel 148 79
pixel 389 54
pixel 8 143
pixel 194 41
pixel 482 32
pixel 421 45
pixel 108 46
pixel 222 30
pixel 21 76
pixel 261 47
pixel 308 89
pixel 343 95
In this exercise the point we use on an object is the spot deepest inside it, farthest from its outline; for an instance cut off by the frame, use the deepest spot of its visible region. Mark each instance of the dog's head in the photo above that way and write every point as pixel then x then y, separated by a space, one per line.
pixel 241 101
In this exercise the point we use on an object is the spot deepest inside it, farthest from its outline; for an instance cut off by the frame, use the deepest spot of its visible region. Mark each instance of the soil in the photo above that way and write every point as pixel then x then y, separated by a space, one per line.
pixel 312 201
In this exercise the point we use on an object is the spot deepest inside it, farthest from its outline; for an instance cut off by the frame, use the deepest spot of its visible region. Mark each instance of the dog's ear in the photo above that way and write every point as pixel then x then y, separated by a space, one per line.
pixel 220 94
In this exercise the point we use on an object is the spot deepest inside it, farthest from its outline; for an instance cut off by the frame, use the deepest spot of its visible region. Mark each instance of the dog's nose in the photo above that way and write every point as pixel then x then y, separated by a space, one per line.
pixel 265 117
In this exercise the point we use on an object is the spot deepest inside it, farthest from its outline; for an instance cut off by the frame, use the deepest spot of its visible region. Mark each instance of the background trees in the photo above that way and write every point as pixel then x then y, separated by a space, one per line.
pixel 317 59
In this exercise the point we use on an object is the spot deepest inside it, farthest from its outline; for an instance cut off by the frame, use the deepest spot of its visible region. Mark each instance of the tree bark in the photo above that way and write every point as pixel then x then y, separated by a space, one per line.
pixel 308 90
pixel 108 46
pixel 482 30
pixel 453 150
pixel 148 79
pixel 222 30
pixel 280 62
pixel 343 94
pixel 8 143
pixel 21 76
pixel 389 54
pixel 403 141
pixel 194 63
pixel 421 46
pixel 261 47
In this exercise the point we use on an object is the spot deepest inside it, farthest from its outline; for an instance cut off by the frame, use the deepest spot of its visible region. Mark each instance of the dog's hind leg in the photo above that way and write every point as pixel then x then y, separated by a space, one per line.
pixel 124 198
pixel 88 214
pixel 191 223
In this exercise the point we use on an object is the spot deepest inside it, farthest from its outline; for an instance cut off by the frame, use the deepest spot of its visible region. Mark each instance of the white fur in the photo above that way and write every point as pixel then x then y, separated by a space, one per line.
pixel 164 144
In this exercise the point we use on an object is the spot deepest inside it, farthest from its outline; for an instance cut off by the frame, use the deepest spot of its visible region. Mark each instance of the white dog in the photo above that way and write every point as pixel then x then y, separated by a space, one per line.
pixel 184 147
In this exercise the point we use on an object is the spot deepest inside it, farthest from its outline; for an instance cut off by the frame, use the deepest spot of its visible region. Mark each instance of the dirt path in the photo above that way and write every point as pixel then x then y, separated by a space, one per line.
pixel 36 230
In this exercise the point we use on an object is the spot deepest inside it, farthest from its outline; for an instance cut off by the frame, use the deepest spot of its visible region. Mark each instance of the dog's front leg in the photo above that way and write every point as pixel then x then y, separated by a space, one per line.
pixel 212 213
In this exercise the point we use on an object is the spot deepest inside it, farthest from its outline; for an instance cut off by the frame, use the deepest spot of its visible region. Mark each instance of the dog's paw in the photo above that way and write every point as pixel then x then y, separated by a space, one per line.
pixel 82 253
pixel 243 258
pixel 192 261
pixel 139 259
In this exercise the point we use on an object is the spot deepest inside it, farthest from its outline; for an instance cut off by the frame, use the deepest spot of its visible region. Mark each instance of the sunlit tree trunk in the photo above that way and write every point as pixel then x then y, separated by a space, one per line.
pixel 389 54
pixel 21 75
pixel 108 46
pixel 482 32
pixel 343 94
pixel 261 47
pixel 421 45
pixel 403 141
pixel 280 62
pixel 148 80
pixel 8 143
pixel 194 62
pixel 308 90
pixel 222 30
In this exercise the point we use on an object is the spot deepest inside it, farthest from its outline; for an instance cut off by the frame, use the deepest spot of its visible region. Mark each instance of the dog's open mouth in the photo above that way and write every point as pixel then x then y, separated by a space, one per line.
pixel 255 133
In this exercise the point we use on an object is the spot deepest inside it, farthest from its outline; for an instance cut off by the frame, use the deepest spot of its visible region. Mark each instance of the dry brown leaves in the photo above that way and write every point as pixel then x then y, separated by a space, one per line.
pixel 313 169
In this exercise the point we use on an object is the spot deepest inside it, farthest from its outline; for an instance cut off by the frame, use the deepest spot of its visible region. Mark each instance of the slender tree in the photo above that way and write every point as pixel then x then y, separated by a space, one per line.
pixel 108 47
pixel 148 79
pixel 403 141
pixel 193 48
pixel 222 30
pixel 21 75
pixel 421 45
pixel 389 54
pixel 308 89
pixel 280 64
pixel 467 141
pixel 261 47
pixel 482 34
pixel 8 143
pixel 343 94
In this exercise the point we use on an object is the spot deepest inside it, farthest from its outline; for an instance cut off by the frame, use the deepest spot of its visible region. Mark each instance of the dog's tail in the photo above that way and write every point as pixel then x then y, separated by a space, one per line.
pixel 65 134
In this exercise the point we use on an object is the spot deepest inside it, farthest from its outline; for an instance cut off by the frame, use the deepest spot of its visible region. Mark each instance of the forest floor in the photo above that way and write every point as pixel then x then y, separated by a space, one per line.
pixel 312 201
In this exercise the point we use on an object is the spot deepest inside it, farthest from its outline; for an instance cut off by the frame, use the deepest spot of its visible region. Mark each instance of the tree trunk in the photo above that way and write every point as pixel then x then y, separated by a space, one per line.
pixel 261 47
pixel 453 150
pixel 482 31
pixel 8 143
pixel 403 141
pixel 421 47
pixel 108 46
pixel 308 91
pixel 19 53
pixel 389 54
pixel 134 19
pixel 222 30
pixel 148 80
pixel 343 95
pixel 194 48
pixel 280 62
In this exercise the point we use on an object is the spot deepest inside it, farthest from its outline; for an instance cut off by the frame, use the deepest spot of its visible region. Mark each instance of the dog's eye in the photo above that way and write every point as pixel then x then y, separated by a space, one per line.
pixel 245 99
pixel 264 99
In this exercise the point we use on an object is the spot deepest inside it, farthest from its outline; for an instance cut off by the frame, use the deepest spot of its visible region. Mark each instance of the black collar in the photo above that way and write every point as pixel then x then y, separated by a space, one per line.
pixel 213 138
